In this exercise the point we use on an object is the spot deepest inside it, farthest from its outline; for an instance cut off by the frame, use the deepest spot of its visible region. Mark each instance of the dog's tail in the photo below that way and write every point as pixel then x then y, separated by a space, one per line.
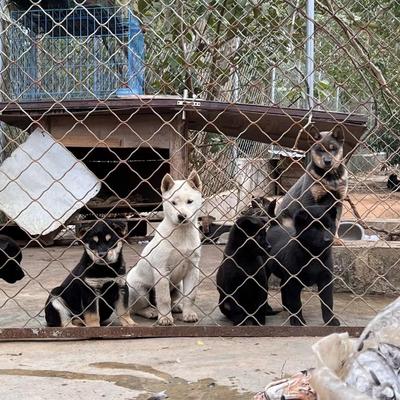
pixel 271 212
pixel 55 310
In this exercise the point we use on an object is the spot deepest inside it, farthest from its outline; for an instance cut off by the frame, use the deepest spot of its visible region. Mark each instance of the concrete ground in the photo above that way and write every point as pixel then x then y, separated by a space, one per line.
pixel 21 304
pixel 186 368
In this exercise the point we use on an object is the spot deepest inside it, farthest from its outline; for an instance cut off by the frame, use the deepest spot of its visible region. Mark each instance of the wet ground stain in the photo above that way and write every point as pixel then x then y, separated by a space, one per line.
pixel 176 388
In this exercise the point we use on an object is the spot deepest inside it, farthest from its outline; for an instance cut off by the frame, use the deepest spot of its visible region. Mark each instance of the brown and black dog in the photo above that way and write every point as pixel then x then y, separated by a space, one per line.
pixel 325 181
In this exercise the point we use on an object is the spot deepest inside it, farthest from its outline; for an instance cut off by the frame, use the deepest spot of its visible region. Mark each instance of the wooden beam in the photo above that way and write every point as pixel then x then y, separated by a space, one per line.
pixel 265 124
pixel 178 149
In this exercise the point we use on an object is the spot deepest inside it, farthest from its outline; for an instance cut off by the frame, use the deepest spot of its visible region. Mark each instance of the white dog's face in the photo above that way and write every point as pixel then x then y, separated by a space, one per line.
pixel 182 199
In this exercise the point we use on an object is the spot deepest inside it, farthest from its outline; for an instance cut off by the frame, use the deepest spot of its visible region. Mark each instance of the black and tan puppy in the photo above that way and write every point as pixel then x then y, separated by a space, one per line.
pixel 10 260
pixel 325 181
pixel 96 287
pixel 302 256
pixel 242 280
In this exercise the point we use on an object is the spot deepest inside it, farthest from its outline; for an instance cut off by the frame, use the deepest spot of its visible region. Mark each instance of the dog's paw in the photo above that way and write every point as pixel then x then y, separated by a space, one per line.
pixel 165 320
pixel 149 312
pixel 189 316
pixel 177 308
pixel 333 322
pixel 296 321
pixel 127 321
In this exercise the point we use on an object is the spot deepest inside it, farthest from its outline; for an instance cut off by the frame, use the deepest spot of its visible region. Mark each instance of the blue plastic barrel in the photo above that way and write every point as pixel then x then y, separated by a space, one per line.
pixel 135 77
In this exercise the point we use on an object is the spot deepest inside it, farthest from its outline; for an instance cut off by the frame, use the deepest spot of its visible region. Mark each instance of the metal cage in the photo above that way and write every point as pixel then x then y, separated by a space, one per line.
pixel 81 53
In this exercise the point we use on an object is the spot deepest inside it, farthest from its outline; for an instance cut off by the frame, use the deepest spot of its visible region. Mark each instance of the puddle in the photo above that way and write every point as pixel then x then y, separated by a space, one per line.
pixel 176 388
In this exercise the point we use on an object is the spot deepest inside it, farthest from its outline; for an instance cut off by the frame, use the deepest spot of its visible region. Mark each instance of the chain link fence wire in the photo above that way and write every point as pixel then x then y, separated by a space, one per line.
pixel 236 91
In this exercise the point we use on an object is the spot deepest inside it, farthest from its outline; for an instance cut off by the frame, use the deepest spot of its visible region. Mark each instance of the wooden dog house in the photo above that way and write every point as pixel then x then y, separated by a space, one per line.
pixel 154 131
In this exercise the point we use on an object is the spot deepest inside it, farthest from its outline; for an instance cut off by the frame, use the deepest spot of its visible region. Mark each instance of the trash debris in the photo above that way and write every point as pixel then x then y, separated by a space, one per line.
pixel 372 372
pixel 296 387
pixel 43 170
pixel 384 328
pixel 159 396
pixel 365 369
pixel 371 238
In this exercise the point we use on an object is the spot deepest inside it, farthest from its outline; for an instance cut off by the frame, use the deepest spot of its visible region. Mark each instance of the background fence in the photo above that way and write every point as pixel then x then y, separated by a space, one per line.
pixel 133 90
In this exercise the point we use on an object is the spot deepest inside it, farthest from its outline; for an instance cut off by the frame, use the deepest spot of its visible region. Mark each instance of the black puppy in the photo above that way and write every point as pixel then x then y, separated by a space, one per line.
pixel 242 279
pixel 10 260
pixel 303 257
pixel 261 207
pixel 393 183
pixel 96 287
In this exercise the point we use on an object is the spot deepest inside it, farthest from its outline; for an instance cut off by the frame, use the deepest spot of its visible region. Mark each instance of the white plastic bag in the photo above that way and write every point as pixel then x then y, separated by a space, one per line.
pixel 371 362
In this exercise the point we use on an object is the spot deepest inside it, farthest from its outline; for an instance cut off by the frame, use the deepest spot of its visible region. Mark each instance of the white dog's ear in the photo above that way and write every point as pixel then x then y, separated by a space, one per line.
pixel 167 183
pixel 194 180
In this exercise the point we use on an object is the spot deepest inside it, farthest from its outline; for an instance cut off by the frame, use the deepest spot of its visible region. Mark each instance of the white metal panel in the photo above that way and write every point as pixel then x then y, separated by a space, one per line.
pixel 42 184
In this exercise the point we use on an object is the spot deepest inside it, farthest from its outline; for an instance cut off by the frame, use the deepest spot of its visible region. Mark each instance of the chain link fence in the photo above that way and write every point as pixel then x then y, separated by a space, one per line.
pixel 287 114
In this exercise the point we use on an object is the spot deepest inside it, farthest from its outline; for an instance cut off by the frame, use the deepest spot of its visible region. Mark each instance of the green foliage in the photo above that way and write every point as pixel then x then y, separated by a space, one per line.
pixel 199 45
pixel 229 50
pixel 375 29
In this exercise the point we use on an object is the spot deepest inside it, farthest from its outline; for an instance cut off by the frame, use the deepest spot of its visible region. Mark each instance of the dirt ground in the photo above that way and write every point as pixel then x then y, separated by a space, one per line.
pixel 374 205
pixel 21 304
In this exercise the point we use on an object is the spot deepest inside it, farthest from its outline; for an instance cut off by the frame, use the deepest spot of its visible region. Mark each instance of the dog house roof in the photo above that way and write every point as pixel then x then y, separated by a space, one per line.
pixel 266 124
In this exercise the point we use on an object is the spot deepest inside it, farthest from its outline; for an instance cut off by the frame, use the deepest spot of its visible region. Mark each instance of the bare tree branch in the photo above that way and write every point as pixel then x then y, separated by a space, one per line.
pixel 351 36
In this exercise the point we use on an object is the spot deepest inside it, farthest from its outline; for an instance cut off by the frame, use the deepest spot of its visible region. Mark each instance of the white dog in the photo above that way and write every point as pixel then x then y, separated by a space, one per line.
pixel 169 267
